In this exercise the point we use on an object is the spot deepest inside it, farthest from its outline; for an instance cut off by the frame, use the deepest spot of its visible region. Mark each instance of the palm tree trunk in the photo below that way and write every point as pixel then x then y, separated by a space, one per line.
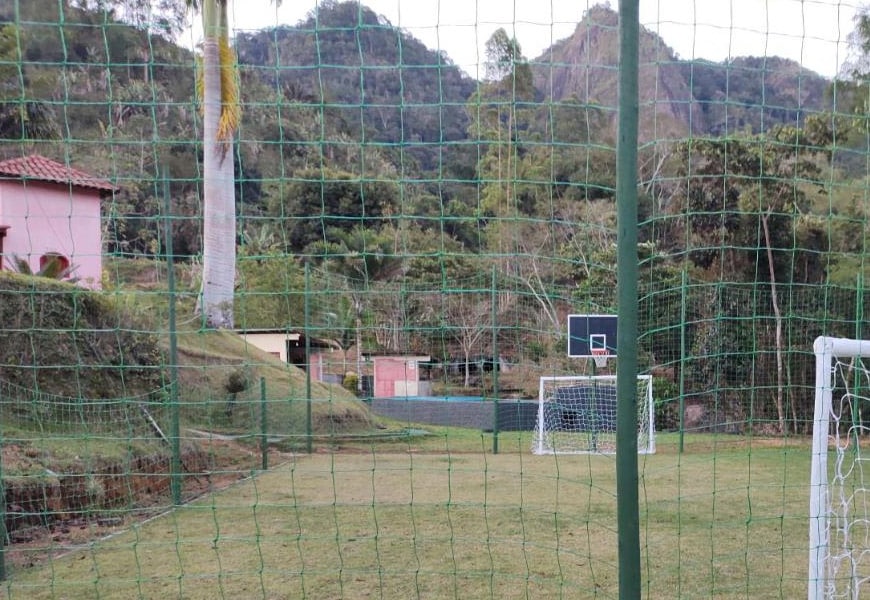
pixel 219 206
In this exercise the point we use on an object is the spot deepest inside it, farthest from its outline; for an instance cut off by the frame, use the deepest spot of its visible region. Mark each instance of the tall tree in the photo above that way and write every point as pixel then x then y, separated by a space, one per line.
pixel 857 63
pixel 220 119
pixel 500 114
pixel 164 17
pixel 221 114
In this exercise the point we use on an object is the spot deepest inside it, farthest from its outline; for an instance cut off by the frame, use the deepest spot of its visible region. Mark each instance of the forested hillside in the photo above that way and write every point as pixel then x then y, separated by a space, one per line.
pixel 398 182
pixel 352 93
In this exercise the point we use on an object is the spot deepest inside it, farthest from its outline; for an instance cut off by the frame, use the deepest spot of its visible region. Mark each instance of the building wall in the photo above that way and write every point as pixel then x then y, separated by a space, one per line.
pixel 48 218
pixel 274 343
pixel 396 376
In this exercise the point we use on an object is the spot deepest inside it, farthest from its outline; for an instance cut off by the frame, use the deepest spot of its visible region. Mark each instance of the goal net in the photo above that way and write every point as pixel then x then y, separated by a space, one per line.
pixel 839 562
pixel 577 415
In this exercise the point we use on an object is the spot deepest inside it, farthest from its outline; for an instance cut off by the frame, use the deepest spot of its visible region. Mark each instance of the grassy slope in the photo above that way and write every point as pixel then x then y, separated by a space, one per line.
pixel 206 361
pixel 63 344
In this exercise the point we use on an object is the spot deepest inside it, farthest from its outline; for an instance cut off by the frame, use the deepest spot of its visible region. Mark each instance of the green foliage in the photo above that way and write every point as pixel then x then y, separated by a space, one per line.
pixel 47 322
pixel 53 268
pixel 666 395
pixel 124 87
pixel 238 380
pixel 401 101
pixel 325 206
pixel 350 382
pixel 272 291
pixel 20 119
pixel 736 187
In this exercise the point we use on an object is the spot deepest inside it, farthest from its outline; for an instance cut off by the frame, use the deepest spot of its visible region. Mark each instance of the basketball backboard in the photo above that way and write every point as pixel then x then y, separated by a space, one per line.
pixel 590 335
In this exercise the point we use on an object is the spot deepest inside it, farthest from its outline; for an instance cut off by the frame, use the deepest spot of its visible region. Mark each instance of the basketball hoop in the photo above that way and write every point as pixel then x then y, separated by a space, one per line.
pixel 599 355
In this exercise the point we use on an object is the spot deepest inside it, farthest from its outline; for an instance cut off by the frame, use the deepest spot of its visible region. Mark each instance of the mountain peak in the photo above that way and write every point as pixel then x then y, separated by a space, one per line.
pixel 585 66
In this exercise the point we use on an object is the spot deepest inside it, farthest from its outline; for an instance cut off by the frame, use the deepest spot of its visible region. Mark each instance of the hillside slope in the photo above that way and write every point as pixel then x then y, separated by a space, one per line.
pixel 677 97
pixel 64 344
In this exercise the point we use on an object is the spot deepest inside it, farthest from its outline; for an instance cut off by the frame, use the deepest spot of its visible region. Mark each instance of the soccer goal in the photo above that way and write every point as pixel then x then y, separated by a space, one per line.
pixel 839 562
pixel 577 415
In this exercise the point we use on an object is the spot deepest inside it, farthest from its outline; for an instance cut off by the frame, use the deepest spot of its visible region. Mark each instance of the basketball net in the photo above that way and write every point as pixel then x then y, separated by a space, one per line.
pixel 599 355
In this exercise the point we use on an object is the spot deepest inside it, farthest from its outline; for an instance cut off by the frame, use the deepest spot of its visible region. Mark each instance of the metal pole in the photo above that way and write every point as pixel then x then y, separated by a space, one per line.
pixel 175 417
pixel 495 361
pixel 3 532
pixel 309 441
pixel 683 311
pixel 628 523
pixel 859 321
pixel 264 443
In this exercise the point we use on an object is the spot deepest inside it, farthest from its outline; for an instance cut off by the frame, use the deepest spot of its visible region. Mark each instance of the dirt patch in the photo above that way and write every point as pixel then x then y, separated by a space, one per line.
pixel 55 513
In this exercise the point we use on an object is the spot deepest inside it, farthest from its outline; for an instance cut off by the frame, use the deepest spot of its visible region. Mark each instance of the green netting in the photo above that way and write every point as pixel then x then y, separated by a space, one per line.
pixel 276 329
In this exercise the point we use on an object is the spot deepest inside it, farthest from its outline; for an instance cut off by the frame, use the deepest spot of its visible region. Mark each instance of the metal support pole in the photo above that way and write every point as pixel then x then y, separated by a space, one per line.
pixel 309 439
pixel 175 467
pixel 627 512
pixel 683 315
pixel 264 425
pixel 495 360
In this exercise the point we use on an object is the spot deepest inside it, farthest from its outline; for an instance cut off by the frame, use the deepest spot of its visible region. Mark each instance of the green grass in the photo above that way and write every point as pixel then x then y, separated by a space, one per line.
pixel 207 359
pixel 443 517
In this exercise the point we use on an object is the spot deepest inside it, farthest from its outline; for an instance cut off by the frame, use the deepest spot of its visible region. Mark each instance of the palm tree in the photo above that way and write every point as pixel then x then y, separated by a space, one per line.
pixel 221 113
pixel 55 267
pixel 220 108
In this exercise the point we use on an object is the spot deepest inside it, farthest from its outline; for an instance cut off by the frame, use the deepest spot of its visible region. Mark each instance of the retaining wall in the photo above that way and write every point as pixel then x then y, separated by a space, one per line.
pixel 513 415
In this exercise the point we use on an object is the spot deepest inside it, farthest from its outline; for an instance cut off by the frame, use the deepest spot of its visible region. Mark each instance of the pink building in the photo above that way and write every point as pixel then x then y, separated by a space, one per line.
pixel 397 376
pixel 50 211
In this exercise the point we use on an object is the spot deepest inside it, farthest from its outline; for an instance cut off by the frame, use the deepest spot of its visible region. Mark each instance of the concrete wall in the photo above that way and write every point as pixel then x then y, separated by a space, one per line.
pixel 274 343
pixel 514 415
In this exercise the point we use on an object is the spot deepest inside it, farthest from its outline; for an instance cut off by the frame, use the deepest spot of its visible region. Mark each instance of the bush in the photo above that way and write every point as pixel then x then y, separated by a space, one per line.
pixel 666 395
pixel 351 382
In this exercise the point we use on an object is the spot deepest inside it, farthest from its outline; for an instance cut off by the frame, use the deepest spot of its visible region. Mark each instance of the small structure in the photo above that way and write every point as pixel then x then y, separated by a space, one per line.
pixel 50 211
pixel 285 344
pixel 398 376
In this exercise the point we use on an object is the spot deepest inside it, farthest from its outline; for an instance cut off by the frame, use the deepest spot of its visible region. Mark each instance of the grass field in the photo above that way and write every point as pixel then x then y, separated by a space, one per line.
pixel 443 517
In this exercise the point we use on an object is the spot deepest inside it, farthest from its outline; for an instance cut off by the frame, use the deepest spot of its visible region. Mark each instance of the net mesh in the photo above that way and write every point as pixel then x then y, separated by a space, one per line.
pixel 846 565
pixel 277 327
pixel 577 415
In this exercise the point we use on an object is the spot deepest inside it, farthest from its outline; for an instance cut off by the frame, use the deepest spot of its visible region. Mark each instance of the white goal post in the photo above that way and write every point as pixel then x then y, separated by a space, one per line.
pixel 839 524
pixel 577 415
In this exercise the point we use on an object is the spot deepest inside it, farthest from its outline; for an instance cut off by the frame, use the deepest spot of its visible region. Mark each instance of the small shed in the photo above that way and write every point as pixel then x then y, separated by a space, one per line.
pixel 51 211
pixel 397 375
pixel 285 344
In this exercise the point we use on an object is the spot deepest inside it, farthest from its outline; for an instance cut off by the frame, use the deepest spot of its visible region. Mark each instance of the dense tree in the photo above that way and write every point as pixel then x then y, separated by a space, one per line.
pixel 325 206
pixel 740 205
pixel 384 84
pixel 500 113
pixel 361 257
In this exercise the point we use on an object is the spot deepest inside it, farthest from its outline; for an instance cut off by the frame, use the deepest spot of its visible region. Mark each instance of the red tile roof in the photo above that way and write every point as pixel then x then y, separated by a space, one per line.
pixel 39 168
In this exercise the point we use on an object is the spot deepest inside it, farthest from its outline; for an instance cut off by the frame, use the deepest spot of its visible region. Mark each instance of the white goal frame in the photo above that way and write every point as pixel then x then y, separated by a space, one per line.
pixel 830 523
pixel 587 439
